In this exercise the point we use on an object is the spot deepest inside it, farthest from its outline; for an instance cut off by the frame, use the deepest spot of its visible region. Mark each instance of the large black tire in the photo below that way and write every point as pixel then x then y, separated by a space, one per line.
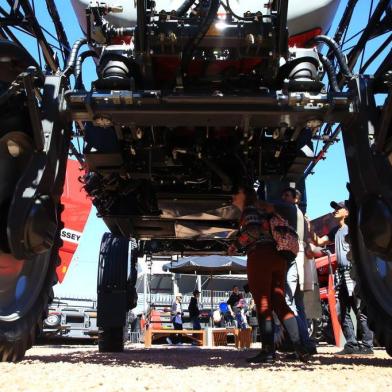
pixel 372 288
pixel 18 334
pixel 112 293
pixel 25 285
pixel 111 339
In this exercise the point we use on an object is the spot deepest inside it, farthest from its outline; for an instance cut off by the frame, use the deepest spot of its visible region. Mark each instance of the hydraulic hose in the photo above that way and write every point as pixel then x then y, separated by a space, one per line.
pixel 184 7
pixel 111 31
pixel 78 67
pixel 333 82
pixel 73 56
pixel 195 41
pixel 334 47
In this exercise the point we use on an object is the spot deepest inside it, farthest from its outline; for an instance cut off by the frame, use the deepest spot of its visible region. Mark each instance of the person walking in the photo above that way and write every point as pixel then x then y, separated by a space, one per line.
pixel 288 208
pixel 194 311
pixel 345 286
pixel 176 315
pixel 295 277
pixel 266 270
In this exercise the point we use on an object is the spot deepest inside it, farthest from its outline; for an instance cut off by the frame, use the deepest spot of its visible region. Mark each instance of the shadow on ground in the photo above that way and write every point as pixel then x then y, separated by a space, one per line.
pixel 187 357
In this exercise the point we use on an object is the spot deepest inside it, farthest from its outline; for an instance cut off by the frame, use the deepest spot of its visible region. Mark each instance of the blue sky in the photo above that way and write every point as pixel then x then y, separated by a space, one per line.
pixel 330 178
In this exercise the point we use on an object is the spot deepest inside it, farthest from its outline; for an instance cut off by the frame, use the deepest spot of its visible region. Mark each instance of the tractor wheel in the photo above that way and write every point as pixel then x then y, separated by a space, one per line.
pixel 111 340
pixel 25 285
pixel 374 276
pixel 112 293
pixel 25 288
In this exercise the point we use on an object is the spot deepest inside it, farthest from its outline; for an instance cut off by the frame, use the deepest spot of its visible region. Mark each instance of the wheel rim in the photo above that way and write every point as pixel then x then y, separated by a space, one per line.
pixel 20 284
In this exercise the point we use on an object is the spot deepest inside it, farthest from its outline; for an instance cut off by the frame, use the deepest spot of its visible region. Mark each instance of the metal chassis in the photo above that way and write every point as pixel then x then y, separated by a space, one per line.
pixel 144 108
pixel 155 108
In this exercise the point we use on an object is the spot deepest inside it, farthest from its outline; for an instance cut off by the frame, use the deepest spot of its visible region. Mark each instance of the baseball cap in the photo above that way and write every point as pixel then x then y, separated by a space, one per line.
pixel 178 295
pixel 196 292
pixel 337 206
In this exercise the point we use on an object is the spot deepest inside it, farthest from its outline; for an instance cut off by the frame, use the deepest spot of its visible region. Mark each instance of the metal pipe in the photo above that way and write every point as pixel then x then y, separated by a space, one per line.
pixel 379 50
pixel 36 29
pixel 322 153
pixel 61 35
pixel 370 28
pixel 282 28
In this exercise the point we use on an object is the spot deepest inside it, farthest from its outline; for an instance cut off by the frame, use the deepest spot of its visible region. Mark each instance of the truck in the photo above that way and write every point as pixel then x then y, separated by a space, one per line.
pixel 191 99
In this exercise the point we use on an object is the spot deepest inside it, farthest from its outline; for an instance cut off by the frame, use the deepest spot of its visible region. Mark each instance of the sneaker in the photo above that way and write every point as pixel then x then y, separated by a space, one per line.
pixel 365 351
pixel 169 341
pixel 349 351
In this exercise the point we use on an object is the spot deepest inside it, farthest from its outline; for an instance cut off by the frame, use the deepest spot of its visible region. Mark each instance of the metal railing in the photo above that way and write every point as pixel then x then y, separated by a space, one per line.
pixel 168 299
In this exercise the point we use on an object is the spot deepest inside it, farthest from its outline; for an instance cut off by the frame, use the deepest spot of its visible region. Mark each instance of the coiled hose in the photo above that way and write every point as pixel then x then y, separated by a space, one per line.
pixel 78 67
pixel 195 41
pixel 73 56
pixel 184 7
pixel 332 44
pixel 333 82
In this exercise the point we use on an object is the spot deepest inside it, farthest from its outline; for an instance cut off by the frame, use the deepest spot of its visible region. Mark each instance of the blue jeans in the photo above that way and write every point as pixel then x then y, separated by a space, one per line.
pixel 295 300
pixel 347 302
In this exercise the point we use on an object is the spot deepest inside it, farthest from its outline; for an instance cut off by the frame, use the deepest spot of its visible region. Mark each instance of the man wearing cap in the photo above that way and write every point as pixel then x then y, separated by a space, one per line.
pixel 194 311
pixel 232 302
pixel 344 285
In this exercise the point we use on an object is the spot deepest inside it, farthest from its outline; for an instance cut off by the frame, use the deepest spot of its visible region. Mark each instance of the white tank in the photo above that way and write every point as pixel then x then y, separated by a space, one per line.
pixel 302 15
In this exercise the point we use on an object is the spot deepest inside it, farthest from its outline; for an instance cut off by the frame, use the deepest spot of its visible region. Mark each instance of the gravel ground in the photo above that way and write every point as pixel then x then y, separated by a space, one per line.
pixel 184 368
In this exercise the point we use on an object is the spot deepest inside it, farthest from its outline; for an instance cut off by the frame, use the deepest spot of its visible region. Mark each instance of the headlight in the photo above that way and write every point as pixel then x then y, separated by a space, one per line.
pixel 53 320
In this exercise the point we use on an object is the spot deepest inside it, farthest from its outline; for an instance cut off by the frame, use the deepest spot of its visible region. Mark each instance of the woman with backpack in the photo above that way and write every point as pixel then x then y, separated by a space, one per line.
pixel 266 269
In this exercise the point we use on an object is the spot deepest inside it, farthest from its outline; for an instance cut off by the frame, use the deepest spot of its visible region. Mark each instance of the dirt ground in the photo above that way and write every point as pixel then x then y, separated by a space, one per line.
pixel 186 368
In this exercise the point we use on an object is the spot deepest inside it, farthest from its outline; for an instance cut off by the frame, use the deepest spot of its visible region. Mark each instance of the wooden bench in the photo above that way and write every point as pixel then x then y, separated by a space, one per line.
pixel 219 336
pixel 157 333
pixel 243 338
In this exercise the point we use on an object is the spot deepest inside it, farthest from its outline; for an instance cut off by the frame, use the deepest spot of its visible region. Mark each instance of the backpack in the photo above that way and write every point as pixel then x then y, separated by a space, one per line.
pixel 285 237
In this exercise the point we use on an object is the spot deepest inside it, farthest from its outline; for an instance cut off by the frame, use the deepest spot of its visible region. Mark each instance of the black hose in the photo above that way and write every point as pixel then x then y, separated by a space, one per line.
pixel 78 67
pixel 73 56
pixel 334 47
pixel 195 41
pixel 328 68
pixel 228 8
pixel 184 7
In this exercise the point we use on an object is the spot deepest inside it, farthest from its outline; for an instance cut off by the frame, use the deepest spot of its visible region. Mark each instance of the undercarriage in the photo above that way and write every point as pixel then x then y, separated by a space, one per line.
pixel 187 105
